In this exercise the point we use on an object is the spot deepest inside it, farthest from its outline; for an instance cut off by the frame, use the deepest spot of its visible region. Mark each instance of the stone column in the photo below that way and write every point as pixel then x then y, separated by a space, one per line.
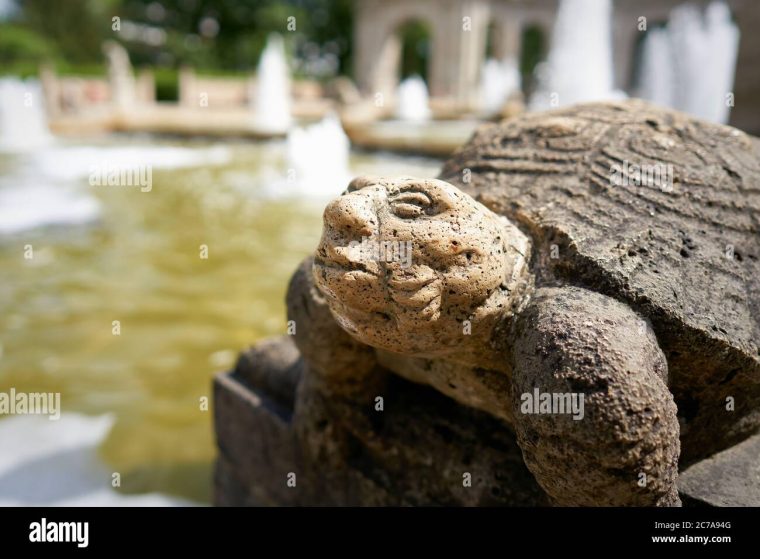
pixel 508 38
pixel 146 87
pixel 51 90
pixel 458 51
pixel 187 94
pixel 376 48
pixel 384 70
pixel 625 34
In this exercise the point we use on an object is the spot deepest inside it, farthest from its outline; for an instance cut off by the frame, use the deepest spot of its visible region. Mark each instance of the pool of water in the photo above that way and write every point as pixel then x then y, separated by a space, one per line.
pixel 127 299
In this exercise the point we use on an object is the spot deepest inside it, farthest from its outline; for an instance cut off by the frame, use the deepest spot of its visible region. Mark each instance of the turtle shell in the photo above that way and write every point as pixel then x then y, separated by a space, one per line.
pixel 656 209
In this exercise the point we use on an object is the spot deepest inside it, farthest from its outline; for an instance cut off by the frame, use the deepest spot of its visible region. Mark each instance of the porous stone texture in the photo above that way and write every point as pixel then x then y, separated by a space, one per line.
pixel 422 449
pixel 685 254
pixel 729 479
pixel 253 409
pixel 466 260
pixel 539 262
pixel 624 449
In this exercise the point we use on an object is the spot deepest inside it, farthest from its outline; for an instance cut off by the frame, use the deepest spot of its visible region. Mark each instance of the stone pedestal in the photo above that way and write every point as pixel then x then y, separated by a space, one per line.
pixel 728 479
pixel 253 422
pixel 422 449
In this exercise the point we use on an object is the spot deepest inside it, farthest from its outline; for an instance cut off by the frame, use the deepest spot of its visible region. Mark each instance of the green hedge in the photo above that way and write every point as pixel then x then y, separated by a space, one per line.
pixel 167 84
pixel 22 50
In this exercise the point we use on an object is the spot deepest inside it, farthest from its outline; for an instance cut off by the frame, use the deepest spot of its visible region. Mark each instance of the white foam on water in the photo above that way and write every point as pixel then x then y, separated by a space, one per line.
pixel 50 187
pixel 55 463
pixel 68 163
pixel 35 206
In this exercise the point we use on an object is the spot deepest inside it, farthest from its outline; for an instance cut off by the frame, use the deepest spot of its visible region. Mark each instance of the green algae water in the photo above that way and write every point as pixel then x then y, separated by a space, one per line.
pixel 126 300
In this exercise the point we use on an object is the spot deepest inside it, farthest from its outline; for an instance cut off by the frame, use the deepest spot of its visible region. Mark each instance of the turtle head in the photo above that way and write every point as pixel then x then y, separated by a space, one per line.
pixel 405 262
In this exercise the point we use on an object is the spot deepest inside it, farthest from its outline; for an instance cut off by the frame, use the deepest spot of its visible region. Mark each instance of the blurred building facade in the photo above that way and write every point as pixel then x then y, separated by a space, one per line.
pixel 460 43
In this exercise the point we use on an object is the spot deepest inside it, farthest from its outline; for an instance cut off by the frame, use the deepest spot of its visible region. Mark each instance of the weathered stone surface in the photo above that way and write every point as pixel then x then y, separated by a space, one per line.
pixel 644 299
pixel 253 433
pixel 417 451
pixel 274 367
pixel 729 479
pixel 574 341
pixel 468 263
pixel 687 257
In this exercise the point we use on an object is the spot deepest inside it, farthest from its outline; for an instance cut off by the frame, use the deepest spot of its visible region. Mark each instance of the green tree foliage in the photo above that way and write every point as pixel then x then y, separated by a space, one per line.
pixel 230 34
pixel 532 52
pixel 415 48
pixel 75 28
pixel 22 50
pixel 212 35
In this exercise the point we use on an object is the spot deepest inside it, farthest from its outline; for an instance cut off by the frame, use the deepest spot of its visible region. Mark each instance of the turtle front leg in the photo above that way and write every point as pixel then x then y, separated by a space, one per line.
pixel 339 364
pixel 594 417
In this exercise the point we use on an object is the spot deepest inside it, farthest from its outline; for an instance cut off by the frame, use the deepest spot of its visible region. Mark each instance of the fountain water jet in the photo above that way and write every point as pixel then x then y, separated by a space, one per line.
pixel 412 100
pixel 272 96
pixel 579 65
pixel 318 156
pixel 499 80
pixel 23 124
pixel 677 59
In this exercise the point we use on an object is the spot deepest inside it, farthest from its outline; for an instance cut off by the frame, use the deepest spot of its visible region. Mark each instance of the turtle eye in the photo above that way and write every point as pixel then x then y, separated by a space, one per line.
pixel 411 204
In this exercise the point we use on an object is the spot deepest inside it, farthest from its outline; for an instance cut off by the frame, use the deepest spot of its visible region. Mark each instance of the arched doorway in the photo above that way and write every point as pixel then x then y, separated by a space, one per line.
pixel 495 44
pixel 415 38
pixel 403 49
pixel 533 47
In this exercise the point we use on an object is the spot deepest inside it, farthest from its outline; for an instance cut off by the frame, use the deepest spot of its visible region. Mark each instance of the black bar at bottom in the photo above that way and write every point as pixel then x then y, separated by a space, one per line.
pixel 252 531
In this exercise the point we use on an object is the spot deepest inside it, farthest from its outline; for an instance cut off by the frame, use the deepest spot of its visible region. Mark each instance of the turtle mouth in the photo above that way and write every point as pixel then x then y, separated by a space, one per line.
pixel 417 294
pixel 326 268
pixel 428 309
pixel 329 273
pixel 420 295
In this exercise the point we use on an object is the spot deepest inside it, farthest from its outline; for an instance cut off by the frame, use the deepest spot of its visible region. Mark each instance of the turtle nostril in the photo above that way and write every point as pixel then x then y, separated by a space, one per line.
pixel 349 220
pixel 349 216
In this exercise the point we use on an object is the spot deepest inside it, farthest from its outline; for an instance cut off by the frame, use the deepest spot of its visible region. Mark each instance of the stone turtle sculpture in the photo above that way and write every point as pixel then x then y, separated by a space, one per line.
pixel 544 267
